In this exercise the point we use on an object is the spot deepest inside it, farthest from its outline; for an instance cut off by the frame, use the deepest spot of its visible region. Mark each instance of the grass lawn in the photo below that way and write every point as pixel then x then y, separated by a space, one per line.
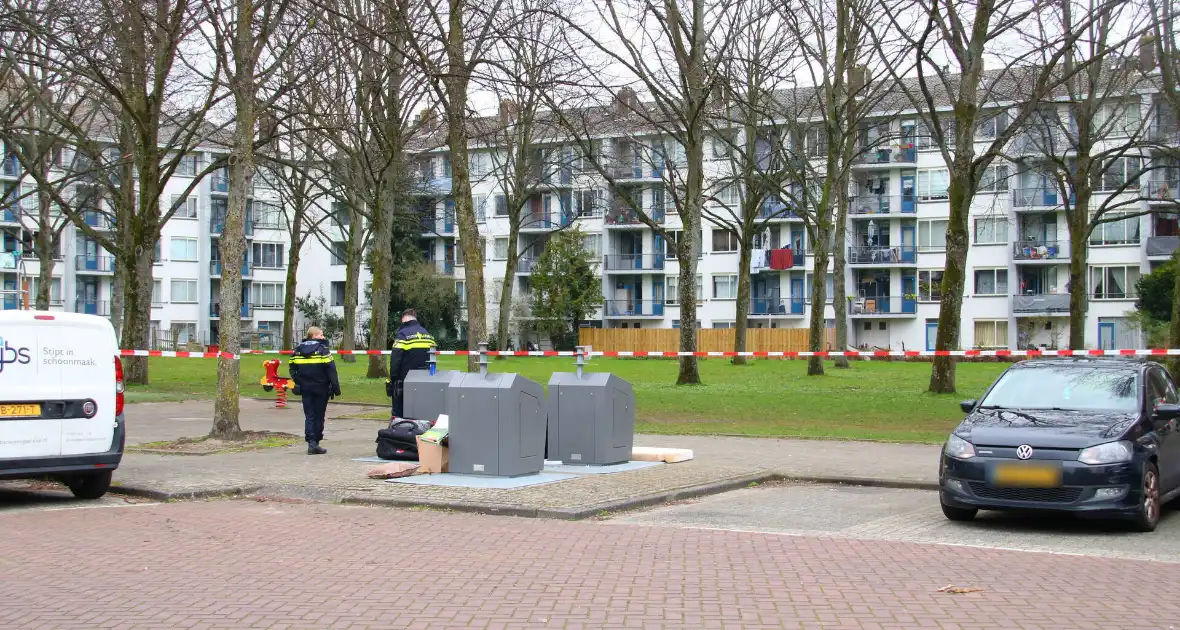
pixel 872 400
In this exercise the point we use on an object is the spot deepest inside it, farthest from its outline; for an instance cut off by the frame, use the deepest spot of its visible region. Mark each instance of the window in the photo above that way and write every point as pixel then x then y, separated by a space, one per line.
pixel 1121 232
pixel 1113 283
pixel 186 207
pixel 337 291
pixel 184 249
pixel 157 292
pixel 184 291
pixel 994 179
pixel 268 294
pixel 500 249
pixel 1119 119
pixel 717 324
pixel 593 245
pixel 991 231
pixel 991 333
pixel 588 203
pixel 829 288
pixel 725 286
pixel 672 289
pixel 480 201
pixel 156 257
pixel 932 236
pixel 992 125
pixel 932 184
pixel 189 165
pixel 341 216
pixel 816 142
pixel 481 163
pixel 1119 173
pixel 461 291
pixel 268 255
pixel 28 199
pixel 339 253
pixel 497 291
pixel 501 206
pixel 267 215
pixel 724 241
pixel 54 291
pixel 728 195
pixel 184 332
pixel 991 282
pixel 930 285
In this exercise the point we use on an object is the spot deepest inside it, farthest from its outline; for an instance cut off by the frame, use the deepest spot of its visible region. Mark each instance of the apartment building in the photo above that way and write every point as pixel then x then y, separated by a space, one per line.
pixel 1016 292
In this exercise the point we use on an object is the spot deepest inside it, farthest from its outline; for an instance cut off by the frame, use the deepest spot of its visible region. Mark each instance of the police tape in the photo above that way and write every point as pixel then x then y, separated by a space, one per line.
pixel 657 354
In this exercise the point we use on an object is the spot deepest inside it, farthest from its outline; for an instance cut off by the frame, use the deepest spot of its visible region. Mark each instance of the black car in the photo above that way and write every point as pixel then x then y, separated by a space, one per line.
pixel 1095 437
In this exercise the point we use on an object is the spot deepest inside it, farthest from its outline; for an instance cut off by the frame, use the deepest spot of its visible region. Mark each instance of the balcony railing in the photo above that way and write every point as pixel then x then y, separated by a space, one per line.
pixel 633 308
pixel 444 267
pixel 1040 250
pixel 246 309
pixel 220 181
pixel 777 209
pixel 215 268
pixel 1161 191
pixel 882 204
pixel 883 305
pixel 10 214
pixel 1127 293
pixel 634 262
pixel 217 226
pixel 1164 133
pixel 887 155
pixel 93 307
pixel 1035 198
pixel 1040 303
pixel 882 254
pixel 776 306
pixel 636 171
pixel 765 260
pixel 1158 246
pixel 543 221
pixel 525 264
pixel 11 166
pixel 98 264
pixel 622 213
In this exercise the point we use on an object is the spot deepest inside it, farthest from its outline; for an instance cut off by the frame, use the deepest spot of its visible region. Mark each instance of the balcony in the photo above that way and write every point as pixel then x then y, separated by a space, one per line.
pixel 1035 199
pixel 882 205
pixel 215 269
pixel 98 220
pixel 774 306
pixel 634 262
pixel 10 214
pixel 93 307
pixel 1161 191
pixel 776 209
pixel 636 172
pixel 622 214
pixel 1039 141
pixel 424 185
pixel 886 157
pixel 217 226
pixel 94 264
pixel 883 306
pixel 1168 133
pixel 1040 304
pixel 545 221
pixel 11 166
pixel 219 183
pixel 1161 247
pixel 525 265
pixel 246 309
pixel 1041 251
pixel 633 308
pixel 882 255
pixel 771 260
pixel 444 268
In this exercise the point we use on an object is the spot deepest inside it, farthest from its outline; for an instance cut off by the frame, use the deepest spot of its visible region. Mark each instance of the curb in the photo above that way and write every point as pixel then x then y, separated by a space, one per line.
pixel 166 497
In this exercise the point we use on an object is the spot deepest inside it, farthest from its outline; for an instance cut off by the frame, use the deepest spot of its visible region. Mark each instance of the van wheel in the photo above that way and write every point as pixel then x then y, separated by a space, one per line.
pixel 90 486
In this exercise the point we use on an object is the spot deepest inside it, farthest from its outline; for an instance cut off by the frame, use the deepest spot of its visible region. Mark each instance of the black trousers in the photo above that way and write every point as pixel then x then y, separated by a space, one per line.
pixel 399 400
pixel 315 405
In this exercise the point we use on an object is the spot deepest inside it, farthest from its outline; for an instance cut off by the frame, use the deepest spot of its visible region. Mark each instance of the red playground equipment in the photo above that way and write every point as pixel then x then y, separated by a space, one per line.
pixel 280 384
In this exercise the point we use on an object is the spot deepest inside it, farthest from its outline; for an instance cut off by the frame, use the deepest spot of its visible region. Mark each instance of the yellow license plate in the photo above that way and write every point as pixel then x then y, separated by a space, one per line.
pixel 19 411
pixel 1027 475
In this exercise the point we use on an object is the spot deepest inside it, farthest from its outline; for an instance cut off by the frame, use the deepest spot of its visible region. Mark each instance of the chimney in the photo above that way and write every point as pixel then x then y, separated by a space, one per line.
pixel 856 78
pixel 509 111
pixel 1147 53
pixel 626 101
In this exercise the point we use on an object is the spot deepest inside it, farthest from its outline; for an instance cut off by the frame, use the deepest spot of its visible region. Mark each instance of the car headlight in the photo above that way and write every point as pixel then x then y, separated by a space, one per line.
pixel 959 448
pixel 1109 453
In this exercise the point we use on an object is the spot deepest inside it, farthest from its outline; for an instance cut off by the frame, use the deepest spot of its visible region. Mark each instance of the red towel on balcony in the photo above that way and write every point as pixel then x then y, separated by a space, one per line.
pixel 782 258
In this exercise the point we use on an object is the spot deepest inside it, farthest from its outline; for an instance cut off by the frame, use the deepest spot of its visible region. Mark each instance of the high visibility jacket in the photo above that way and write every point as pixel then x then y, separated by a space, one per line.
pixel 411 350
pixel 312 368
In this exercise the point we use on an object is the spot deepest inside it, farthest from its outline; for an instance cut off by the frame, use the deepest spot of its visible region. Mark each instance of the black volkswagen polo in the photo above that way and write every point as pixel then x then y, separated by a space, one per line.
pixel 1096 437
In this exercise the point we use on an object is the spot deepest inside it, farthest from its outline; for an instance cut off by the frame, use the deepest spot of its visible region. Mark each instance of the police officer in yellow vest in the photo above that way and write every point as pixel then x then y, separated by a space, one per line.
pixel 315 378
pixel 411 351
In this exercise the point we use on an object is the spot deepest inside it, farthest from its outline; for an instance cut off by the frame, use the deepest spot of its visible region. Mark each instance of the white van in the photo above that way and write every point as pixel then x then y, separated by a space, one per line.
pixel 61 399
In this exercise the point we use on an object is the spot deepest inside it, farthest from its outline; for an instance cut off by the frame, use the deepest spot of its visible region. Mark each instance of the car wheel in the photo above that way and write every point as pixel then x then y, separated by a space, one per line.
pixel 1149 505
pixel 90 486
pixel 958 513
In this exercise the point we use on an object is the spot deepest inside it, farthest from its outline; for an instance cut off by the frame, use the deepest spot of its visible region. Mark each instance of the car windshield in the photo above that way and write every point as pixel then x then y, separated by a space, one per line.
pixel 1066 387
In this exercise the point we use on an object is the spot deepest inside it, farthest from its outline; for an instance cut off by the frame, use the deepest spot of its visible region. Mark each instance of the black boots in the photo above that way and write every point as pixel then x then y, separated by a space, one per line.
pixel 314 448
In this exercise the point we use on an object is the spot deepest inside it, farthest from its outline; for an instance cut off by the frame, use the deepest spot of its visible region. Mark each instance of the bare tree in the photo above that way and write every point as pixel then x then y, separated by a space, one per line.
pixel 951 43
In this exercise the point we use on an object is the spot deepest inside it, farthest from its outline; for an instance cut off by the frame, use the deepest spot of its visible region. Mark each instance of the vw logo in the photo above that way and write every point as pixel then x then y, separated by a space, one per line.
pixel 1024 451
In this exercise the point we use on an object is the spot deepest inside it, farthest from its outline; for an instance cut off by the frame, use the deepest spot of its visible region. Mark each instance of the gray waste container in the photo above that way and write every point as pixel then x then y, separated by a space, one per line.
pixel 591 418
pixel 497 425
pixel 425 394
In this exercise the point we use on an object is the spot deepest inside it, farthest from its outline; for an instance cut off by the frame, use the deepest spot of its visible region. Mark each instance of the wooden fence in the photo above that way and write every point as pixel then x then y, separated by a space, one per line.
pixel 708 339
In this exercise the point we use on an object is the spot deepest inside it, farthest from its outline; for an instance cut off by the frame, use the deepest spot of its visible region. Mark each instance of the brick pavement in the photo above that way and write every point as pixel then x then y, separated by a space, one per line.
pixel 243 564
pixel 721 463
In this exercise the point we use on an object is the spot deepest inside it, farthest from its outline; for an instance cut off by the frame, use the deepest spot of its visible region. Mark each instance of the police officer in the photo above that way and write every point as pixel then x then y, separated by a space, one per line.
pixel 315 378
pixel 411 351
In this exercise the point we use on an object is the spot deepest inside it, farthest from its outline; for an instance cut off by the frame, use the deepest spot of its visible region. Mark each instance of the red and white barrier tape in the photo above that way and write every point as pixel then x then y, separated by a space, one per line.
pixel 1153 352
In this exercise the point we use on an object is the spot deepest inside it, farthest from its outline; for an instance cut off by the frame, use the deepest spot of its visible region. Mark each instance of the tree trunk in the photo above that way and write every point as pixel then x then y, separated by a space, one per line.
pixel 352 278
pixel 1078 237
pixel 942 372
pixel 505 314
pixel 815 329
pixel 742 308
pixel 288 340
pixel 137 301
pixel 119 282
pixel 839 288
pixel 382 274
pixel 46 240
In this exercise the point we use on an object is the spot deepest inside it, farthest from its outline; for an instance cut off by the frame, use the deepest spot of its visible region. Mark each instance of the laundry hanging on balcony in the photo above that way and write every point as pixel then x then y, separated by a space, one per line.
pixel 783 258
pixel 759 260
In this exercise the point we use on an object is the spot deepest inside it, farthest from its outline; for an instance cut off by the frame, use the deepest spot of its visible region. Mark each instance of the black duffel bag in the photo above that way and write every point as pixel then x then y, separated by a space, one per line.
pixel 399 441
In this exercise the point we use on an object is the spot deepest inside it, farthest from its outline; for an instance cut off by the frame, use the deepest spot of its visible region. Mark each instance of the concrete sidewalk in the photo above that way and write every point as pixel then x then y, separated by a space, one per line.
pixel 721 463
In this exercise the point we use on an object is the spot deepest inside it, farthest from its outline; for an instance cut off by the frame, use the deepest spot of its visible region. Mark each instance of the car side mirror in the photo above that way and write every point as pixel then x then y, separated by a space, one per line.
pixel 968 405
pixel 1167 411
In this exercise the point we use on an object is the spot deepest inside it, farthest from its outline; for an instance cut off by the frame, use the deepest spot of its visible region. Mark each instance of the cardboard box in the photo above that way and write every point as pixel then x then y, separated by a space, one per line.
pixel 432 458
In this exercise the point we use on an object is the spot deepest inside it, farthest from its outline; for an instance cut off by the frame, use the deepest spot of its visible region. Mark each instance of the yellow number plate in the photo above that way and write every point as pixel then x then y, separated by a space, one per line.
pixel 1027 476
pixel 19 411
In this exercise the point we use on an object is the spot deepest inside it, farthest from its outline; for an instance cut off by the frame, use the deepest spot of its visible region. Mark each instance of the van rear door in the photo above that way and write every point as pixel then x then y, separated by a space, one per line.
pixel 85 360
pixel 29 426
